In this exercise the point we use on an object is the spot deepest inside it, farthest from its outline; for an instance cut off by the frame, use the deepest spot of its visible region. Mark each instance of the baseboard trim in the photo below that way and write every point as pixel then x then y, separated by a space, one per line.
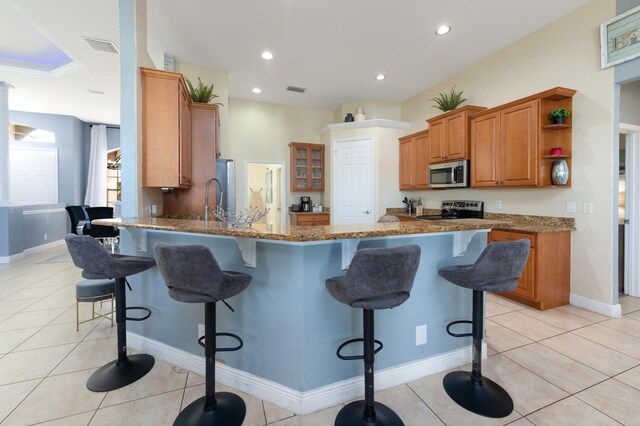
pixel 309 401
pixel 42 247
pixel 36 249
pixel 12 258
pixel 613 311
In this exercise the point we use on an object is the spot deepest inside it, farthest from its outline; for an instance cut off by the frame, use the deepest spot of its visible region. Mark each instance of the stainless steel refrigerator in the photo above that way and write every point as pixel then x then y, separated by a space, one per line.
pixel 226 174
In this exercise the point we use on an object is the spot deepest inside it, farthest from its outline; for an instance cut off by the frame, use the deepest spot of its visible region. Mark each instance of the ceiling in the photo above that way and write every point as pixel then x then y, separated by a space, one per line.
pixel 332 48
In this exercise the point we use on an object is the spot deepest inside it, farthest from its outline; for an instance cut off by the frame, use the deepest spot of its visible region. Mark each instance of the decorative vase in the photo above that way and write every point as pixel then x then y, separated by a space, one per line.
pixel 349 118
pixel 560 173
pixel 559 120
pixel 360 114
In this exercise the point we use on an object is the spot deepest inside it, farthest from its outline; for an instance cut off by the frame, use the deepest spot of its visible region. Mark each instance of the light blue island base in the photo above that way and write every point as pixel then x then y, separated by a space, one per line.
pixel 291 326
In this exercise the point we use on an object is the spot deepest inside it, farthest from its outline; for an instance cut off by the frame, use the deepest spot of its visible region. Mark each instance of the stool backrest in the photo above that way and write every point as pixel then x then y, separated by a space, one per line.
pixel 380 272
pixel 501 261
pixel 76 214
pixel 99 231
pixel 188 269
pixel 89 255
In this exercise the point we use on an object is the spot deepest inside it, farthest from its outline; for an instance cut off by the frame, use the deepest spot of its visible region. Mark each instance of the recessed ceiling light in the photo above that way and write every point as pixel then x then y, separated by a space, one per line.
pixel 380 77
pixel 267 55
pixel 443 29
pixel 256 90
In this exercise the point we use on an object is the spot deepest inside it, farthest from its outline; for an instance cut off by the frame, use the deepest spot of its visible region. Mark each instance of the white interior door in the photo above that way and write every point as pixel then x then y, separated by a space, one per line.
pixel 33 175
pixel 352 182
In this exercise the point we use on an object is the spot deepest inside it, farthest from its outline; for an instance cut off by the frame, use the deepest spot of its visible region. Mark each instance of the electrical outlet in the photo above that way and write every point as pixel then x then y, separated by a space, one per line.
pixel 588 208
pixel 201 331
pixel 421 334
pixel 45 237
pixel 571 207
pixel 498 204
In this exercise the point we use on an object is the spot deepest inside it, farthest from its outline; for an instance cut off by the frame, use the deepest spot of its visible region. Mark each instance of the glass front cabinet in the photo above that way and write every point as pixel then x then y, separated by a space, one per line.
pixel 307 167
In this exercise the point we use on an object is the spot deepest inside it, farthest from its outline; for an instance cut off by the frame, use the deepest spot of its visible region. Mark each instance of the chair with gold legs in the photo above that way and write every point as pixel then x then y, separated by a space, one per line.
pixel 94 291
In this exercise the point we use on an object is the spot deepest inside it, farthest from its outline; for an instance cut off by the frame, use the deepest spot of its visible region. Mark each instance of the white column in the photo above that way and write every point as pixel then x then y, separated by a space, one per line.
pixel 4 141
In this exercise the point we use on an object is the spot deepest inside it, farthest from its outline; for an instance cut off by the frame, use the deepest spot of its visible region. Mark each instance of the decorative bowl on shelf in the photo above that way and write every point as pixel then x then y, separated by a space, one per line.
pixel 243 218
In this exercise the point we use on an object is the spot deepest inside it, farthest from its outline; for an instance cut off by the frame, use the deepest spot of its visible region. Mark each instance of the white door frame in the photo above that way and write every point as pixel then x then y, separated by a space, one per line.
pixel 632 210
pixel 334 180
pixel 283 205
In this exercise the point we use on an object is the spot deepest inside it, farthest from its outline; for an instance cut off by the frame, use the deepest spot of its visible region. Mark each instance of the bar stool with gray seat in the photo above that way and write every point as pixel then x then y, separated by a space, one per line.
pixel 377 278
pixel 497 269
pixel 193 276
pixel 96 263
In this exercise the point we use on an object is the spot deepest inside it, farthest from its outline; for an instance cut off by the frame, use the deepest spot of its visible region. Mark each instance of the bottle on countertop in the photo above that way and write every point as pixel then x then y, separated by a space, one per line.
pixel 419 209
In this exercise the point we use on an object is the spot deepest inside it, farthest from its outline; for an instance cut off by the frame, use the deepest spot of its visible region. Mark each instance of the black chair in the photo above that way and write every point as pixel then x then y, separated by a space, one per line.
pixel 78 217
pixel 97 264
pixel 104 233
pixel 377 278
pixel 193 276
pixel 497 269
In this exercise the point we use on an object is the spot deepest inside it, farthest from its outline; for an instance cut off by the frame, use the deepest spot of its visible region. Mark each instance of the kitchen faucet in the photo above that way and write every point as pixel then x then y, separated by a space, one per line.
pixel 206 197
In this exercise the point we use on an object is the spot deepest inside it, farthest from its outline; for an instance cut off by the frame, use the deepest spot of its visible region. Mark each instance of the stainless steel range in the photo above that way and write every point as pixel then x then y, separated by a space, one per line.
pixel 458 209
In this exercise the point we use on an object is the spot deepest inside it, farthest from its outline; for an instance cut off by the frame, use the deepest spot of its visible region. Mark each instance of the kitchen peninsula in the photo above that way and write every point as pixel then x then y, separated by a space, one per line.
pixel 290 325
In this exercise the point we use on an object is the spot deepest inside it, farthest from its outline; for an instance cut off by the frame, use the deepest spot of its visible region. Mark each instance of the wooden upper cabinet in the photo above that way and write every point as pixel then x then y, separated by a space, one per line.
pixel 414 161
pixel 204 143
pixel 519 145
pixel 185 138
pixel 438 141
pixel 485 151
pixel 166 130
pixel 449 133
pixel 407 152
pixel 307 167
pixel 510 144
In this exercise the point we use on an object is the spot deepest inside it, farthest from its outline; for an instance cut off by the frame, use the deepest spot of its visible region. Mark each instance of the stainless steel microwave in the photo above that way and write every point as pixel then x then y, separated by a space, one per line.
pixel 449 175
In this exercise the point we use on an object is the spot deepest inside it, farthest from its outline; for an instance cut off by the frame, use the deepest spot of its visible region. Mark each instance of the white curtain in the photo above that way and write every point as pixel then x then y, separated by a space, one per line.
pixel 96 195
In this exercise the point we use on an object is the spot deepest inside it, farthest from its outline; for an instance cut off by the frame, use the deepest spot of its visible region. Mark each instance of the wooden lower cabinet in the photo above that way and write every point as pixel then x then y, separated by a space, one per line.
pixel 545 280
pixel 309 219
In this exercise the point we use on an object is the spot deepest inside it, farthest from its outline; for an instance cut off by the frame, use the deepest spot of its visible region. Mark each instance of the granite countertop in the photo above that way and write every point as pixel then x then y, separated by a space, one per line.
pixel 302 233
pixel 511 222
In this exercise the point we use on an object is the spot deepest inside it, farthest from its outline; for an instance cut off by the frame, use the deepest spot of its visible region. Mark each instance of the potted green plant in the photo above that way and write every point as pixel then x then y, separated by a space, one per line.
pixel 559 115
pixel 448 101
pixel 202 92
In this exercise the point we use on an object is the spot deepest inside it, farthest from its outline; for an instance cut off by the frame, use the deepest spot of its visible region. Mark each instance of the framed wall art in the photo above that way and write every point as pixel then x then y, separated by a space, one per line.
pixel 620 38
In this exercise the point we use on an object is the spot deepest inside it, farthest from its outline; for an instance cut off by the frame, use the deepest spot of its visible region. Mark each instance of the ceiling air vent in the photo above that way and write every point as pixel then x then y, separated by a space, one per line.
pixel 296 89
pixel 102 45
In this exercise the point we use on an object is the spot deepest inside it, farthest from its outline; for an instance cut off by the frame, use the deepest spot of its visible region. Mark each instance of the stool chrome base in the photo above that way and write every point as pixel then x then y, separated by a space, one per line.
pixel 117 374
pixel 488 399
pixel 353 414
pixel 230 410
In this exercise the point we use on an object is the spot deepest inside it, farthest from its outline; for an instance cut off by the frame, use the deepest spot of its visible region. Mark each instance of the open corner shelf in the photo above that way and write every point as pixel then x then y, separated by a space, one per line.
pixel 553 157
pixel 557 126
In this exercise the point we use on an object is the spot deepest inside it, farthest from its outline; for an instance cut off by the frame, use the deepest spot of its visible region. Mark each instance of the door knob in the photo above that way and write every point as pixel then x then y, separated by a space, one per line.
pixel 366 212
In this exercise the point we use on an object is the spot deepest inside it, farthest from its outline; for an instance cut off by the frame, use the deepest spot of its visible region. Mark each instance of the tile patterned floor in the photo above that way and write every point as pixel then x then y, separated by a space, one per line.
pixel 564 366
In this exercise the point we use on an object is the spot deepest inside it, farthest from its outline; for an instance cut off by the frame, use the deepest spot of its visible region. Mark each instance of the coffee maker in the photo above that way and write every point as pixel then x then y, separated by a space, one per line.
pixel 305 204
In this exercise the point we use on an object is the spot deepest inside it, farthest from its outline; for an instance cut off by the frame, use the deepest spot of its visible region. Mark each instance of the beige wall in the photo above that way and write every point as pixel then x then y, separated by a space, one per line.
pixel 260 131
pixel 372 109
pixel 533 64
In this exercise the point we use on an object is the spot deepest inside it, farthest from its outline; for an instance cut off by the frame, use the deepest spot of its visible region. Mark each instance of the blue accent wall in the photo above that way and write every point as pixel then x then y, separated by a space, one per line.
pixel 290 325
pixel 70 146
